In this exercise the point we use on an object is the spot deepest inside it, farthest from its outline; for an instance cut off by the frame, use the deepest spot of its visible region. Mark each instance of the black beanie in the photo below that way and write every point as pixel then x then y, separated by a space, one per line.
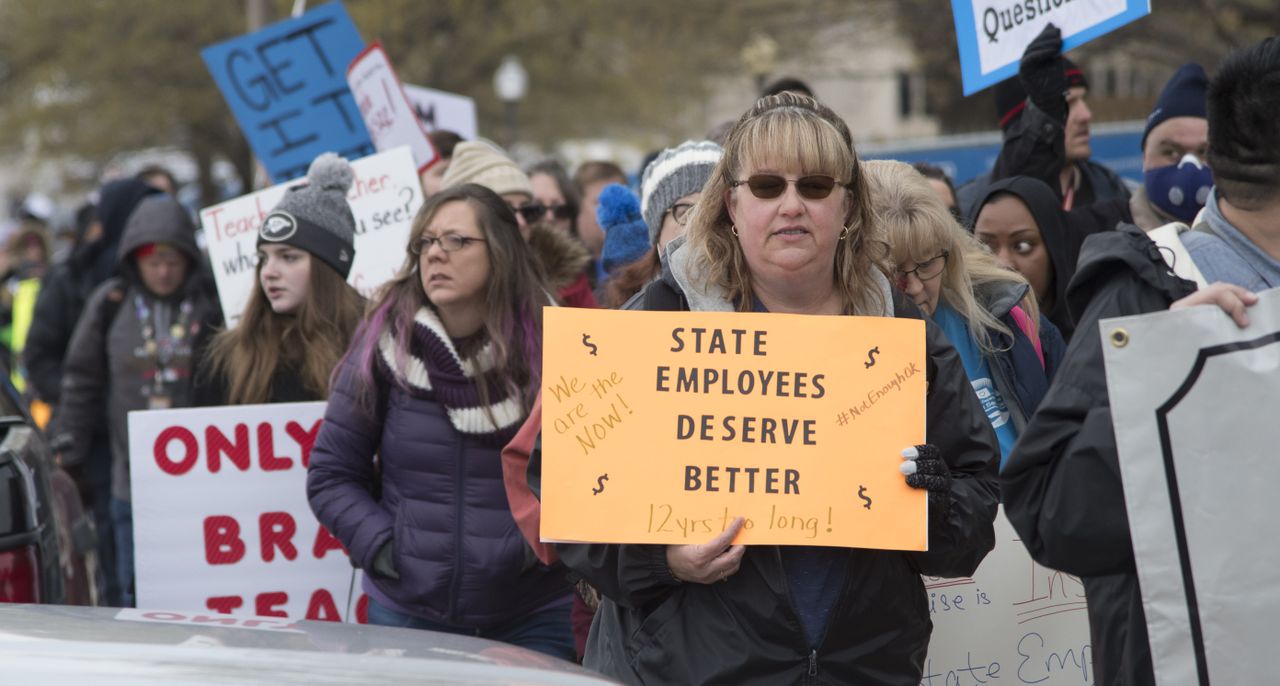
pixel 1185 95
pixel 315 216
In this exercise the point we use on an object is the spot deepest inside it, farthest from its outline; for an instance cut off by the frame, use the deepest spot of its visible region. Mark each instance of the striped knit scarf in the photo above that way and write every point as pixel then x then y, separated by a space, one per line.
pixel 432 370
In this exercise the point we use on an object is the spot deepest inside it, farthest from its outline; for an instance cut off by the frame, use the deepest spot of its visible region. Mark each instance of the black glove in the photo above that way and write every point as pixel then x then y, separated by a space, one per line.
pixel 384 562
pixel 1043 74
pixel 925 469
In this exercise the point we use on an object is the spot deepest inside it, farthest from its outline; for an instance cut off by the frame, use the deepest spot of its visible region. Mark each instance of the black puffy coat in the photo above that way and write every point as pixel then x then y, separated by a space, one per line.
pixel 652 629
pixel 1061 486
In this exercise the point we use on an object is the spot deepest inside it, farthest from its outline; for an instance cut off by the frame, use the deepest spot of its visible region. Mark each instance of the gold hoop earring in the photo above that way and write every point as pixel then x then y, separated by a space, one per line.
pixel 734 229
pixel 844 233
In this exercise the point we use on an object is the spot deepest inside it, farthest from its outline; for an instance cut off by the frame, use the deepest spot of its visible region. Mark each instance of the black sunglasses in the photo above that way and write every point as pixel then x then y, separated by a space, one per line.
pixel 770 186
pixel 533 211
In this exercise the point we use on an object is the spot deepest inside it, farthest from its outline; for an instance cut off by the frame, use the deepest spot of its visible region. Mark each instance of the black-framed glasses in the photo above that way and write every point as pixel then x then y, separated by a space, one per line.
pixel 929 269
pixel 681 212
pixel 770 186
pixel 450 242
pixel 534 211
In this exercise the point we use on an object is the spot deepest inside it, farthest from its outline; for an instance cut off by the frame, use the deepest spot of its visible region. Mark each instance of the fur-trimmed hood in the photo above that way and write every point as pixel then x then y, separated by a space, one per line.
pixel 562 258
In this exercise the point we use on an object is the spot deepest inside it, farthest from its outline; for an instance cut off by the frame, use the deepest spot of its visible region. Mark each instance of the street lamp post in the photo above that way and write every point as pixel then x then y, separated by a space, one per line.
pixel 511 82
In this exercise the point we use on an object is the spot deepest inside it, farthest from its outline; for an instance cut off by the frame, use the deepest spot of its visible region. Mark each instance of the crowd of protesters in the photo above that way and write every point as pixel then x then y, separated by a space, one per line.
pixel 427 466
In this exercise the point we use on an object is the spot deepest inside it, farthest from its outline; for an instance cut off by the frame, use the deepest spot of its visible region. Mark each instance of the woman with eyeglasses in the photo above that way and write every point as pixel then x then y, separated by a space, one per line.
pixel 784 226
pixel 1010 352
pixel 563 260
pixel 441 374
pixel 669 189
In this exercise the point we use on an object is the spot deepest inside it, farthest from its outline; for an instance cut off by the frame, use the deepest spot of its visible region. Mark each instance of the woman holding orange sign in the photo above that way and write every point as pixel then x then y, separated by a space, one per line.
pixel 784 226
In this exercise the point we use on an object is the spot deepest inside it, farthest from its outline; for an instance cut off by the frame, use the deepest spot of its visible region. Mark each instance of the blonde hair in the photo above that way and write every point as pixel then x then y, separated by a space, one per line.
pixel 794 131
pixel 919 227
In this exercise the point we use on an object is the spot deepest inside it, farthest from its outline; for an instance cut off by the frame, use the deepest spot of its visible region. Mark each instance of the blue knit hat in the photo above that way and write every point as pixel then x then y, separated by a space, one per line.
pixel 626 236
pixel 1185 95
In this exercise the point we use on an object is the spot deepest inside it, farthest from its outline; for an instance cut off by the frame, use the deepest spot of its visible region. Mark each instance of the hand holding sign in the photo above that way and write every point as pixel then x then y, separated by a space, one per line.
pixel 715 560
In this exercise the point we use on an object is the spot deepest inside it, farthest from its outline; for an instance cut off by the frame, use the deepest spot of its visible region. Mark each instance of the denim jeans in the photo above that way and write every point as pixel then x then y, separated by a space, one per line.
pixel 546 631
pixel 122 523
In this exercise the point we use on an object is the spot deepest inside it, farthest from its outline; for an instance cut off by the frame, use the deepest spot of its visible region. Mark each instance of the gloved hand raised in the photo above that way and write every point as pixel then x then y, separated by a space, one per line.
pixel 1043 74
pixel 925 469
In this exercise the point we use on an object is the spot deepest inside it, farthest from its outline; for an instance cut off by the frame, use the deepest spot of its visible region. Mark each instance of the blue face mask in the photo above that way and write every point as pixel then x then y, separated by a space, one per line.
pixel 1181 189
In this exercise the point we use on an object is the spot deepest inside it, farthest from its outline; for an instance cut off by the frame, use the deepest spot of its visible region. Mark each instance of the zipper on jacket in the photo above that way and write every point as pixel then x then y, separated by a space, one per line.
pixel 460 485
pixel 813 662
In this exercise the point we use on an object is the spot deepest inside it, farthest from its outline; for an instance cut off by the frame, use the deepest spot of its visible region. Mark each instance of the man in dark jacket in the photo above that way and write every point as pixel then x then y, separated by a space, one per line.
pixel 1062 487
pixel 1047 102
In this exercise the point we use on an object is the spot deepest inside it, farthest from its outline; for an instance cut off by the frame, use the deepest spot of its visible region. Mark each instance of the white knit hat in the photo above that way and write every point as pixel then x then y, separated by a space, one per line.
pixel 477 162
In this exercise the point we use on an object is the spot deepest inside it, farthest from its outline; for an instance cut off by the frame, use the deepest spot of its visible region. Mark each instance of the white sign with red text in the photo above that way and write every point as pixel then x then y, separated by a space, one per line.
pixel 386 110
pixel 221 522
pixel 384 199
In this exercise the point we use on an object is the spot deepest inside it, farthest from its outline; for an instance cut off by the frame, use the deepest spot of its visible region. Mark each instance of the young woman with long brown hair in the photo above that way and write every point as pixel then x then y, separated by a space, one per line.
pixel 300 318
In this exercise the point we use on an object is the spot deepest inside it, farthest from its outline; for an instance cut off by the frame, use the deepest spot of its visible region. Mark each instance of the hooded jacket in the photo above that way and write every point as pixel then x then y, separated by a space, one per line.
pixel 1015 367
pixel 1061 486
pixel 564 262
pixel 68 285
pixel 652 629
pixel 113 366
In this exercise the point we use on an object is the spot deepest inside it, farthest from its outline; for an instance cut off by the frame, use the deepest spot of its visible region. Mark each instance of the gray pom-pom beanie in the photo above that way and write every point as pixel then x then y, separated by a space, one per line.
pixel 673 174
pixel 316 217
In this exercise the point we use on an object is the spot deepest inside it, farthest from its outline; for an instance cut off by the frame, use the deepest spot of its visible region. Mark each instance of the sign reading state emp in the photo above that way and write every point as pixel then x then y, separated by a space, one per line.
pixel 662 427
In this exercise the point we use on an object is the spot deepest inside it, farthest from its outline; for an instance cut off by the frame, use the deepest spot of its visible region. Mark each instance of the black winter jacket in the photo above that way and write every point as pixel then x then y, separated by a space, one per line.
pixel 652 629
pixel 1061 486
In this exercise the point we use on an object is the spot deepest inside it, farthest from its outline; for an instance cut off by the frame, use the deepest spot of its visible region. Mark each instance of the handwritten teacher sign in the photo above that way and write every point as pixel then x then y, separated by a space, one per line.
pixel 286 85
pixel 662 427
pixel 992 34
pixel 384 198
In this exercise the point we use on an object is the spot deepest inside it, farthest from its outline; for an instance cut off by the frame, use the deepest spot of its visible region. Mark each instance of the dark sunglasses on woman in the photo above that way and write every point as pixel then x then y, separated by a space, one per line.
pixel 770 186
pixel 534 211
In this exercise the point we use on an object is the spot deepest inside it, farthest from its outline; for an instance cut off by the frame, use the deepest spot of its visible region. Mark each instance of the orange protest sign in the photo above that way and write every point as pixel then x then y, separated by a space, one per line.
pixel 662 427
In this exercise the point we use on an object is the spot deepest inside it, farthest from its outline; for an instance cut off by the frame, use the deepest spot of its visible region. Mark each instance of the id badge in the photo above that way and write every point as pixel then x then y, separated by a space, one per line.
pixel 159 402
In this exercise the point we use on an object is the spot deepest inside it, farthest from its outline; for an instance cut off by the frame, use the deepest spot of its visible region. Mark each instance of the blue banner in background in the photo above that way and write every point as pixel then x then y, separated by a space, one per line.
pixel 286 84
pixel 992 34
pixel 1118 146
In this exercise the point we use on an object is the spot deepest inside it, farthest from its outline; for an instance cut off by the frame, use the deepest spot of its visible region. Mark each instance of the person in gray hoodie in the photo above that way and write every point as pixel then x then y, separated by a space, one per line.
pixel 132 350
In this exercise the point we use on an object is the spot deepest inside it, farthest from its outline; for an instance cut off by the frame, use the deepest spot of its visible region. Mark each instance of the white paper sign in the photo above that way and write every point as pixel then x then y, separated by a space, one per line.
pixel 384 199
pixel 387 112
pixel 221 523
pixel 1013 622
pixel 992 34
pixel 440 110
pixel 1194 401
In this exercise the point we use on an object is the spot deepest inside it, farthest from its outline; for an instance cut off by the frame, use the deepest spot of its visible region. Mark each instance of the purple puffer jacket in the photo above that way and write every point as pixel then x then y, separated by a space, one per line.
pixel 461 558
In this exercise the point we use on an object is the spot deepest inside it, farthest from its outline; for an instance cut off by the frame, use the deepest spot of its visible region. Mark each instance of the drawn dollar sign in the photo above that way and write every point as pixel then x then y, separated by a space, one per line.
pixel 862 493
pixel 871 357
pixel 600 482
pixel 586 340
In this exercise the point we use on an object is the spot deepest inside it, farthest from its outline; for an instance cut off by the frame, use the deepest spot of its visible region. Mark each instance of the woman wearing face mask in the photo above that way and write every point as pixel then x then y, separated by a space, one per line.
pixel 132 350
pixel 441 374
pixel 784 227
pixel 1010 352
pixel 300 318
pixel 1021 224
